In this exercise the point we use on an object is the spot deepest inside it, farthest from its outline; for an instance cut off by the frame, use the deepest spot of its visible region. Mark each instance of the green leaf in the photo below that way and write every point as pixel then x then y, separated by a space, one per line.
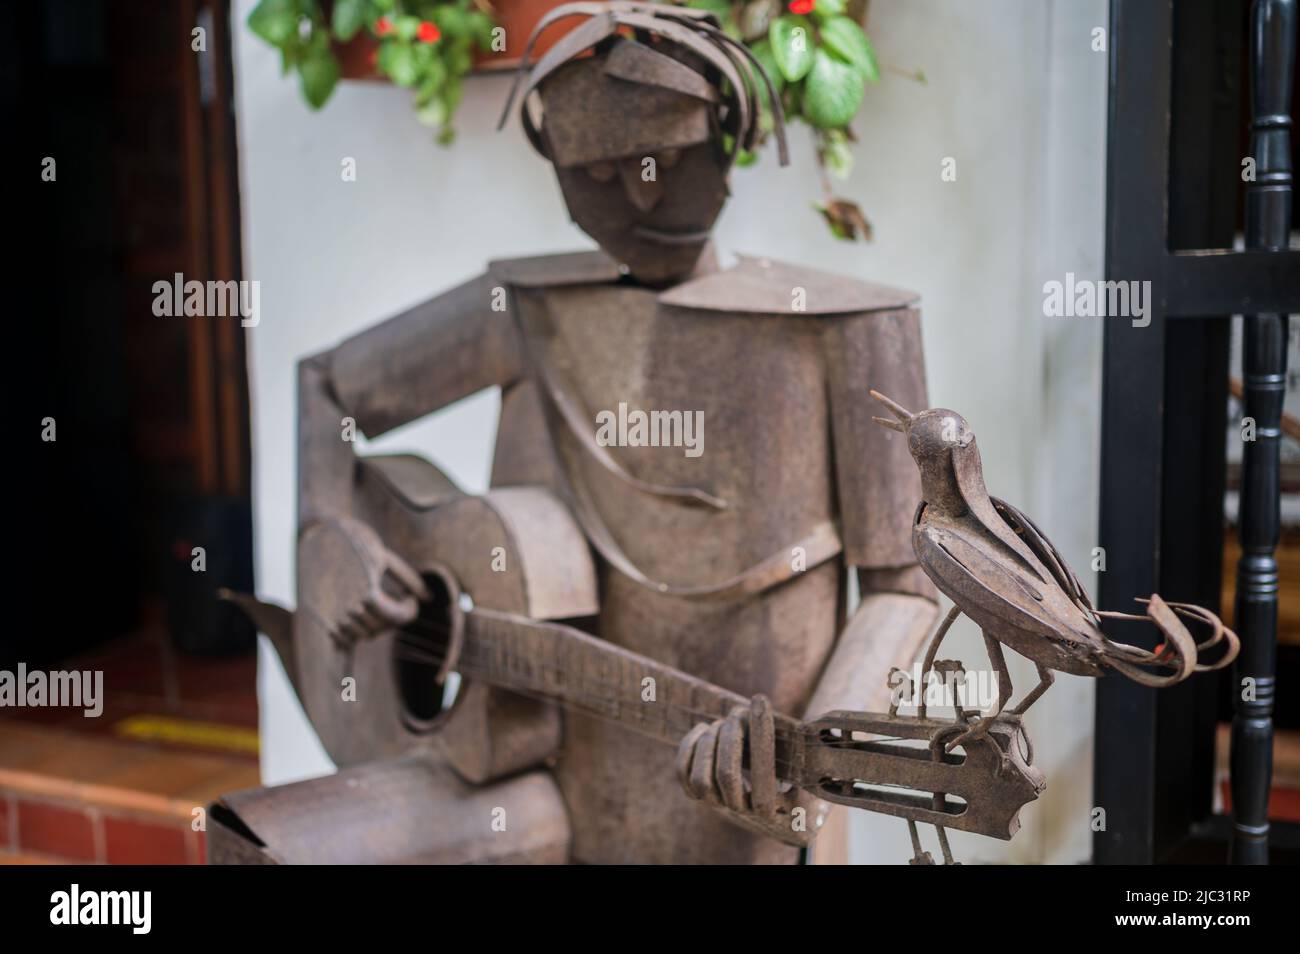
pixel 434 113
pixel 833 92
pixel 846 40
pixel 792 46
pixel 434 75
pixel 320 74
pixel 275 21
pixel 459 61
pixel 719 8
pixel 762 51
pixel 825 9
pixel 452 92
pixel 349 17
pixel 454 24
pixel 397 62
pixel 406 27
pixel 837 154
pixel 480 27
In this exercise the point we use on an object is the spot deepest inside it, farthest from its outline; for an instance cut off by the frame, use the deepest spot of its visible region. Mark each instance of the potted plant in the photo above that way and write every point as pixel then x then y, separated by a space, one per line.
pixel 816 52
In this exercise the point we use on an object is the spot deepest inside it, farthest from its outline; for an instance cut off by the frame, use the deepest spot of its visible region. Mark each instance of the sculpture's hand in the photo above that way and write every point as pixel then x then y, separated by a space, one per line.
pixel 353 584
pixel 710 766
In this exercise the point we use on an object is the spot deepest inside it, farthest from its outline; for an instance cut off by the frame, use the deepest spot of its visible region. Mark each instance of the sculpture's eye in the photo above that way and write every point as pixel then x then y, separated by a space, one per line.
pixel 601 171
pixel 669 158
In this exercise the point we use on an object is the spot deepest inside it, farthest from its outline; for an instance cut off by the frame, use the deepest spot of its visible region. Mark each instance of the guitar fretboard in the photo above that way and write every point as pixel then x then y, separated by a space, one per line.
pixel 597 677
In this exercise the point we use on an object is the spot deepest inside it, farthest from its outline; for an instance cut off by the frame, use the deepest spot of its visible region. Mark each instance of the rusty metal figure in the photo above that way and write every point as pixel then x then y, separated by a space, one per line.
pixel 620 597
pixel 999 569
pixel 722 576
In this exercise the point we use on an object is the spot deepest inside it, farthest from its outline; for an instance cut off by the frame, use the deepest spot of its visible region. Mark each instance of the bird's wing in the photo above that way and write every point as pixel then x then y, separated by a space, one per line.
pixel 1046 552
pixel 975 580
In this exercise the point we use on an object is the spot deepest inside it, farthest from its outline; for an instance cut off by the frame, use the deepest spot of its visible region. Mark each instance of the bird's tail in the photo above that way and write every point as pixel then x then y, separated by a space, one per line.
pixel 1179 652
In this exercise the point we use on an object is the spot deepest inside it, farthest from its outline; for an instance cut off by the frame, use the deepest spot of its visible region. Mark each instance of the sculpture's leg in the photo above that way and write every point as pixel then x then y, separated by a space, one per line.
pixel 411 810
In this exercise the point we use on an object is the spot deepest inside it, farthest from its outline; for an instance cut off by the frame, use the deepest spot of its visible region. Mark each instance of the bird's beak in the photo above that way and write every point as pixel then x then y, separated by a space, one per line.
pixel 903 414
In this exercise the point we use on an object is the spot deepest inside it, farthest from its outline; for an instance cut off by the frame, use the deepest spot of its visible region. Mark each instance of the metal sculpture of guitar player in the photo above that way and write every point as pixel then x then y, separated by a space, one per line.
pixel 600 601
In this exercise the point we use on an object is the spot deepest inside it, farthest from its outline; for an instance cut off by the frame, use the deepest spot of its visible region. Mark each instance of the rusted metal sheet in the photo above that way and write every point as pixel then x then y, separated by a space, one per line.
pixel 406 811
pixel 999 569
pixel 716 560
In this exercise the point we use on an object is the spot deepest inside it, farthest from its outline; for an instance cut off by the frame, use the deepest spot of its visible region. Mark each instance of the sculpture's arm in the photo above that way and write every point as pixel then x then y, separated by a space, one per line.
pixel 885 631
pixel 878 489
pixel 410 365
pixel 406 367
pixel 885 628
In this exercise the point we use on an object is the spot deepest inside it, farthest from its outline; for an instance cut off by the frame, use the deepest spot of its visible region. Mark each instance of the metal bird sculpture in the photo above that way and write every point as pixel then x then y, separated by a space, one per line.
pixel 1001 570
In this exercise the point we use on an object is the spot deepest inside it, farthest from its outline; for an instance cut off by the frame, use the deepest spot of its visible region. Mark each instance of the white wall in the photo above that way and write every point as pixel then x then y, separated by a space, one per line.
pixel 1014 93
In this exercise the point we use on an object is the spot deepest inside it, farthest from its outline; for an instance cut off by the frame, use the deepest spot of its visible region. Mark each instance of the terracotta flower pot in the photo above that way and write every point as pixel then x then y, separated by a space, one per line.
pixel 356 57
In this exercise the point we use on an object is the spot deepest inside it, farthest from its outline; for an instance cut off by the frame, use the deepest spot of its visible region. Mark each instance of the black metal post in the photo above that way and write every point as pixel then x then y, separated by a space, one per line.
pixel 1264 336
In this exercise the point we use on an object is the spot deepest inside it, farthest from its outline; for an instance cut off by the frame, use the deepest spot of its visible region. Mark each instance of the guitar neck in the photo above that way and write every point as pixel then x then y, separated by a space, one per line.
pixel 597 677
pixel 833 757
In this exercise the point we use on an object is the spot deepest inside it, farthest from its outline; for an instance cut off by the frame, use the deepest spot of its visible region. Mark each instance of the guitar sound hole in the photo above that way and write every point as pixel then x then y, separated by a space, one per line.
pixel 420 652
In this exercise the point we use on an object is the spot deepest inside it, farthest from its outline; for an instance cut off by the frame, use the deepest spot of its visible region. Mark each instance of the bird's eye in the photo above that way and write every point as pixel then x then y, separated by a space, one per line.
pixel 601 171
pixel 669 158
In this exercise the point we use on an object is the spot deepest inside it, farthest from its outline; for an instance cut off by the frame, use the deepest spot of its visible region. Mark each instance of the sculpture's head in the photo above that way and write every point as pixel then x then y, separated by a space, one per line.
pixel 642 131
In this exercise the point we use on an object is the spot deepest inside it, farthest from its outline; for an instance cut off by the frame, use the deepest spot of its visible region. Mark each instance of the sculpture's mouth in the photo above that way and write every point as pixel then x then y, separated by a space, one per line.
pixel 670 236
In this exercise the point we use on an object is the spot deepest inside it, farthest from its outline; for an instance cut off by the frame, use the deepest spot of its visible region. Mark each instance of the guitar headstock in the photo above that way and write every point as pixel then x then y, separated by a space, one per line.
pixel 896 765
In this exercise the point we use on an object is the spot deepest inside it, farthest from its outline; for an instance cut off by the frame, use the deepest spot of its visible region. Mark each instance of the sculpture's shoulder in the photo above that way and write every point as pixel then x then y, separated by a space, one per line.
pixel 769 287
pixel 549 271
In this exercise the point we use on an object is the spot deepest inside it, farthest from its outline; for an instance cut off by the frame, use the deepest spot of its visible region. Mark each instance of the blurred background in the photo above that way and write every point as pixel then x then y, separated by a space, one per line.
pixel 981 181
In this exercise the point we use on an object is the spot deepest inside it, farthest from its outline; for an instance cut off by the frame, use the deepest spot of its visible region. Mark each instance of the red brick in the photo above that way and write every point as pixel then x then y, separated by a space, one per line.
pixel 48 829
pixel 130 841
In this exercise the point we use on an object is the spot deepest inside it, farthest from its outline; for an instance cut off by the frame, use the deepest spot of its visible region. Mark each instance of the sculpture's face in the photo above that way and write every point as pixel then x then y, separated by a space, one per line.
pixel 638 161
pixel 657 226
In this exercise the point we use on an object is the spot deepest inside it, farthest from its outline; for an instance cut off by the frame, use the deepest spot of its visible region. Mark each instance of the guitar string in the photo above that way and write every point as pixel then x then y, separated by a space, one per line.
pixel 420 652
pixel 785 767
pixel 705 715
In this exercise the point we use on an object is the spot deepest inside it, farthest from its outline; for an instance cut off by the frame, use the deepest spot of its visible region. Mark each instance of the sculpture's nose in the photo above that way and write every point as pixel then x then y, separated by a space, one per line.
pixel 641 183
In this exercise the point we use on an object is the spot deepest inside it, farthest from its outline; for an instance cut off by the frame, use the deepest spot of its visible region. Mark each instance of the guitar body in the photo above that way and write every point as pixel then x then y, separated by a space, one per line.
pixel 513 549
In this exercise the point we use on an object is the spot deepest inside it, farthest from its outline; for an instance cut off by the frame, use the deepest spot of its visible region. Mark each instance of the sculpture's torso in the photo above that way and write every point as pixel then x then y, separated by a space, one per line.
pixel 760 382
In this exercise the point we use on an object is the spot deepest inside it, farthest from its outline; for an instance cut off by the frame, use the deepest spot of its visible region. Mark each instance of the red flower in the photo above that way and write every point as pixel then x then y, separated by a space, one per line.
pixel 383 26
pixel 802 6
pixel 428 33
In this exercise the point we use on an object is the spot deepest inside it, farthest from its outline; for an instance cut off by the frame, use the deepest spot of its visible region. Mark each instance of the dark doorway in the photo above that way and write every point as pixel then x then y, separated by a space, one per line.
pixel 131 446
pixel 128 173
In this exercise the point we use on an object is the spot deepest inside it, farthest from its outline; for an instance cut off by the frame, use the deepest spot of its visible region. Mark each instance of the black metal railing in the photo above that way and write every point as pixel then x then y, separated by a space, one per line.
pixel 1264 340
pixel 1173 179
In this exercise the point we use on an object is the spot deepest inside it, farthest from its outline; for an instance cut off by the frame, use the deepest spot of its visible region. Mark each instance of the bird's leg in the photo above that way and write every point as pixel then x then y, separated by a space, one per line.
pixel 1045 680
pixel 953 674
pixel 981 728
pixel 930 652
